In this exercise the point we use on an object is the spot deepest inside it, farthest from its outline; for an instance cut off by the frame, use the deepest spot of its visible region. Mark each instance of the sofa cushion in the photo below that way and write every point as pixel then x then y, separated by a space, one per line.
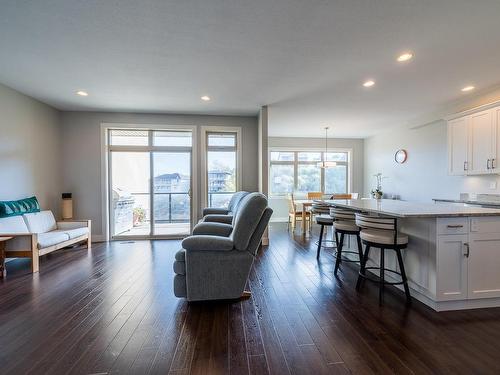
pixel 19 207
pixel 204 242
pixel 179 268
pixel 213 229
pixel 236 200
pixel 51 238
pixel 40 222
pixel 180 289
pixel 13 224
pixel 180 255
pixel 77 232
pixel 212 218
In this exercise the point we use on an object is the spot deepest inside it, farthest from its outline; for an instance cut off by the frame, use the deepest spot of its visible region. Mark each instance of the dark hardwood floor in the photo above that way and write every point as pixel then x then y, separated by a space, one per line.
pixel 112 310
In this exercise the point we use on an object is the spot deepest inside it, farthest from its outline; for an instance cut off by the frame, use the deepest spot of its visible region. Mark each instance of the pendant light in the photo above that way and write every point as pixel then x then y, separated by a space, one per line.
pixel 326 164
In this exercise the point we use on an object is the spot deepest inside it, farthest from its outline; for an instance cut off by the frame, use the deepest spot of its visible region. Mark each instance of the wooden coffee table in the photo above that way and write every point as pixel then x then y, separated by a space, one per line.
pixel 3 270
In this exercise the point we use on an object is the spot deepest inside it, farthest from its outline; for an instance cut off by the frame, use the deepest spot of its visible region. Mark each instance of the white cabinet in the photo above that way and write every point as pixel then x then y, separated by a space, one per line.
pixel 451 267
pixel 473 143
pixel 468 264
pixel 496 140
pixel 458 145
pixel 481 142
pixel 484 266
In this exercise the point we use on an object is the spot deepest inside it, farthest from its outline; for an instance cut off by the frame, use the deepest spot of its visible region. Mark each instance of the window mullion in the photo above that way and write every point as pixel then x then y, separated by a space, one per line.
pixel 295 171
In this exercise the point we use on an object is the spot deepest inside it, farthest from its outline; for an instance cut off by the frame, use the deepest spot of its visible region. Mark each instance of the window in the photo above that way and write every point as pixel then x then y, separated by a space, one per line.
pixel 297 171
pixel 308 178
pixel 221 167
pixel 282 178
pixel 128 137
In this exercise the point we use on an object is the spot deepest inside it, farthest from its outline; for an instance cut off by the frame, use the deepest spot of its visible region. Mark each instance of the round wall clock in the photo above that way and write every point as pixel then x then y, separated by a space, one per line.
pixel 400 156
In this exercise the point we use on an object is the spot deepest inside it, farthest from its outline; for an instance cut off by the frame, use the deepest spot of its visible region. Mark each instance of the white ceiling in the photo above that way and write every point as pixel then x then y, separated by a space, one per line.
pixel 306 59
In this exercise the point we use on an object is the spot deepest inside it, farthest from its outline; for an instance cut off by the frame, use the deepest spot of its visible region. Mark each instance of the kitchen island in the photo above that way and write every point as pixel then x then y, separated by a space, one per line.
pixel 453 255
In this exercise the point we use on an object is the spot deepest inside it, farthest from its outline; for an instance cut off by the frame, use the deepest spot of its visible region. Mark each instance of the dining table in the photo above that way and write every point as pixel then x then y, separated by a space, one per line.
pixel 304 206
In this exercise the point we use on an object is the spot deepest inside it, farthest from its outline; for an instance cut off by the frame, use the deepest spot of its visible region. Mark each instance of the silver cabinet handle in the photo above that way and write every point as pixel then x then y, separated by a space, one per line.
pixel 465 165
pixel 493 163
pixel 467 250
pixel 454 226
pixel 488 164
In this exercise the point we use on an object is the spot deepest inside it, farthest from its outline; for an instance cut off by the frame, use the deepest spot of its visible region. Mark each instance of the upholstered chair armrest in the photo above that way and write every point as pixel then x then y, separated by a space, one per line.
pixel 73 224
pixel 213 229
pixel 212 218
pixel 204 242
pixel 215 211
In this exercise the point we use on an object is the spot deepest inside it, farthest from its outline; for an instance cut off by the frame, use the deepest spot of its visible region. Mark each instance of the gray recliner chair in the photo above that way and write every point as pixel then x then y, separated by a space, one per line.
pixel 211 267
pixel 224 215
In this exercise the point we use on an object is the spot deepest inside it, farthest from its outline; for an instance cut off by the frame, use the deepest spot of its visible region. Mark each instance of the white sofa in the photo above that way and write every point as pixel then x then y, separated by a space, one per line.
pixel 36 234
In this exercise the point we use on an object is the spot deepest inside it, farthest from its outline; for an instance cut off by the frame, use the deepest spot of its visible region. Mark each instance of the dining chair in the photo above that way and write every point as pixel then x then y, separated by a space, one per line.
pixel 294 215
pixel 342 196
pixel 314 195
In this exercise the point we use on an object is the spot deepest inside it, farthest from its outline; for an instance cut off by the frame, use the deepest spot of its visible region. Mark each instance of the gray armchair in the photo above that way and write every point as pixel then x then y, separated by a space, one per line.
pixel 224 215
pixel 213 267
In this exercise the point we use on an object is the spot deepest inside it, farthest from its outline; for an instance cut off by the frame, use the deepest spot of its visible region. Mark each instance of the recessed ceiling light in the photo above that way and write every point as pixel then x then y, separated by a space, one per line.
pixel 82 93
pixel 369 83
pixel 468 88
pixel 405 57
pixel 205 98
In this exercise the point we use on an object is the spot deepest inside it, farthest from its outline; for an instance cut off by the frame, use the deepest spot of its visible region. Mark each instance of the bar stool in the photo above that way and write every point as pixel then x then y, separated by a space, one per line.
pixel 321 212
pixel 344 224
pixel 382 233
pixel 323 221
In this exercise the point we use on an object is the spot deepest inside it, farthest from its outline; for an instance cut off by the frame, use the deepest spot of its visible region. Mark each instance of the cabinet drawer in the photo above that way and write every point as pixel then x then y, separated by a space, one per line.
pixel 454 225
pixel 486 224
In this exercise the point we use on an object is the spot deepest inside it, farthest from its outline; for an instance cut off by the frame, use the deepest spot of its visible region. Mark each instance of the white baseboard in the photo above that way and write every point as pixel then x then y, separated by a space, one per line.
pixel 98 238
pixel 279 219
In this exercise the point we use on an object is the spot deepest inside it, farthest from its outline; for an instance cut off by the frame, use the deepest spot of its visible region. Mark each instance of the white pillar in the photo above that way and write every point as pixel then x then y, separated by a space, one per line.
pixel 263 160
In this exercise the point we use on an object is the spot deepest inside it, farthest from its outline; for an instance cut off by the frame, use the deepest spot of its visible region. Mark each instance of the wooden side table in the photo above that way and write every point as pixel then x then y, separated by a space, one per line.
pixel 3 271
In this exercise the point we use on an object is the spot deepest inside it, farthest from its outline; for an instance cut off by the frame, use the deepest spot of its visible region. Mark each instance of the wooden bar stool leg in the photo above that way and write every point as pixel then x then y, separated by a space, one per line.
pixel 382 277
pixel 403 276
pixel 362 270
pixel 320 240
pixel 339 253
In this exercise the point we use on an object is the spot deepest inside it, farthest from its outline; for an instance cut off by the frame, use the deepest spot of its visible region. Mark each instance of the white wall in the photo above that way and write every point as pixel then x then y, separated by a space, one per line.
pixel 279 204
pixel 29 150
pixel 425 175
pixel 81 137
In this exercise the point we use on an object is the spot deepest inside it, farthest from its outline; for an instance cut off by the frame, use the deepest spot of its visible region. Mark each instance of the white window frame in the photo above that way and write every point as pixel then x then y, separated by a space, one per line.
pixel 296 164
pixel 205 130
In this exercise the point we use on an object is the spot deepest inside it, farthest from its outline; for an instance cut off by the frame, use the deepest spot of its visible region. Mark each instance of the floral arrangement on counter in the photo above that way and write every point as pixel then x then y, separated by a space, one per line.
pixel 378 193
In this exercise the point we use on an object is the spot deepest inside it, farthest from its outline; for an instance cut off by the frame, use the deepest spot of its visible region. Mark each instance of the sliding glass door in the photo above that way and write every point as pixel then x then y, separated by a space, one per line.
pixel 130 193
pixel 171 193
pixel 150 183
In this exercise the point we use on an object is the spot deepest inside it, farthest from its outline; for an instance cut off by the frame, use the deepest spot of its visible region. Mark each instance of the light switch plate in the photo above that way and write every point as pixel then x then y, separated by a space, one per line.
pixel 493 185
